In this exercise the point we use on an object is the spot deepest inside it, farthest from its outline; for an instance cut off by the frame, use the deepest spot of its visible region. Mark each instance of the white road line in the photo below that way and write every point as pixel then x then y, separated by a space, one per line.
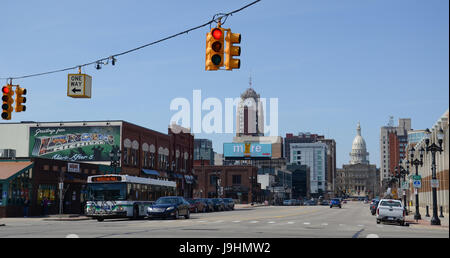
pixel 290 222
pixel 324 224
pixel 372 236
pixel 271 222
pixel 255 221
pixel 236 221
pixel 360 225
pixel 307 223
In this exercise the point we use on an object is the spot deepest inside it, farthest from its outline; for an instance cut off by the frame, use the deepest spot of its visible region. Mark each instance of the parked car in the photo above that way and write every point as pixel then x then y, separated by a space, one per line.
pixel 209 204
pixel 296 202
pixel 325 203
pixel 390 210
pixel 170 206
pixel 287 203
pixel 219 205
pixel 335 202
pixel 310 203
pixel 196 205
pixel 373 206
pixel 229 203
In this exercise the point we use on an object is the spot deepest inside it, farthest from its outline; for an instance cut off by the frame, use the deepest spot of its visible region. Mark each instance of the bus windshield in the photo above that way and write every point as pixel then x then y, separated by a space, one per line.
pixel 107 192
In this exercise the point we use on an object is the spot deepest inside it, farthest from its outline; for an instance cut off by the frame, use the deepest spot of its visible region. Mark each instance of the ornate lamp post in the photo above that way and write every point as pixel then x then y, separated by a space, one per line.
pixel 416 162
pixel 433 148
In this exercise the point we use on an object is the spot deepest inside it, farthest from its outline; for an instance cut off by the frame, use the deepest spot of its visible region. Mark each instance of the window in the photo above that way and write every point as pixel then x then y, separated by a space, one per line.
pixel 213 179
pixel 236 179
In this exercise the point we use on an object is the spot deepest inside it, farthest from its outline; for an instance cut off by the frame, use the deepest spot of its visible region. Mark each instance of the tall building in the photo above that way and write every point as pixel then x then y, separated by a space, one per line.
pixel 386 150
pixel 314 155
pixel 203 152
pixel 250 114
pixel 330 174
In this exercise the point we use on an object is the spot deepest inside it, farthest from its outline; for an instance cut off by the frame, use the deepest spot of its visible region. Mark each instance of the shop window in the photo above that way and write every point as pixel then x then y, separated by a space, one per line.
pixel 46 191
pixel 55 168
pixel 236 179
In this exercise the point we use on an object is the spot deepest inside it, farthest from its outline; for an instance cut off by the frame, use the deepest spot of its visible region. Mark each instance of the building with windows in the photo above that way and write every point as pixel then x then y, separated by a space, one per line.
pixel 250 114
pixel 203 152
pixel 390 146
pixel 143 152
pixel 313 155
pixel 359 178
pixel 236 182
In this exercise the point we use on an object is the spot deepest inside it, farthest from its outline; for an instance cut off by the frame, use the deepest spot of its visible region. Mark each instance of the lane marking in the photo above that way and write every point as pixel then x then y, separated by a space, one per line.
pixel 254 221
pixel 324 224
pixel 307 223
pixel 372 236
pixel 271 222
pixel 72 236
pixel 236 221
pixel 290 222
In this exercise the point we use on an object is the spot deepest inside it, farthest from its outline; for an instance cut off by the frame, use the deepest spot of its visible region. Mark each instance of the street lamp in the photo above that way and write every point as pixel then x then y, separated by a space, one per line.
pixel 115 158
pixel 433 148
pixel 416 162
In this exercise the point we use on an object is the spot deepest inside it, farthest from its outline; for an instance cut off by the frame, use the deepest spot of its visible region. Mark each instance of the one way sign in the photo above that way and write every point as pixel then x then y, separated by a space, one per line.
pixel 79 85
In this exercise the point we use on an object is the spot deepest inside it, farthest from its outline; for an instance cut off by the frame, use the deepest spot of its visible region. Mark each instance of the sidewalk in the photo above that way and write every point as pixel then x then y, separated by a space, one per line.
pixel 426 221
pixel 246 206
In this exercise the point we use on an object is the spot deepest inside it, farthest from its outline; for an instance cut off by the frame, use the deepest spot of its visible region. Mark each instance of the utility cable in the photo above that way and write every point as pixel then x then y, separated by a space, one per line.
pixel 112 57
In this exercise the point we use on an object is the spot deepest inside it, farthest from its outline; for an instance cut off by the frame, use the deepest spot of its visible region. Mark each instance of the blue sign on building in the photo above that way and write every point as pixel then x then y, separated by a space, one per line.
pixel 247 150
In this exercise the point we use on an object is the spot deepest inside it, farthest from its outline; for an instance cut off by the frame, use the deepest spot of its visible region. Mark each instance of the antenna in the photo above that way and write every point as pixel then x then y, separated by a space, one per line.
pixel 391 121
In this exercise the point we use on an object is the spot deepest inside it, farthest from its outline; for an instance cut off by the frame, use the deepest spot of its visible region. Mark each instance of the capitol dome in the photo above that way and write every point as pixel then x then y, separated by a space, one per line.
pixel 359 151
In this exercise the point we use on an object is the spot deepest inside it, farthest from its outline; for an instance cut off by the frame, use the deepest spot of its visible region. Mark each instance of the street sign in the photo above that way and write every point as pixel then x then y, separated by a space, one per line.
pixel 418 177
pixel 417 183
pixel 405 185
pixel 79 85
pixel 434 183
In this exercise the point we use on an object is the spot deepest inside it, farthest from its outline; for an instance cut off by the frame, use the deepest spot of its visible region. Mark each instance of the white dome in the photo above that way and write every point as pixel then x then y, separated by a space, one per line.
pixel 359 151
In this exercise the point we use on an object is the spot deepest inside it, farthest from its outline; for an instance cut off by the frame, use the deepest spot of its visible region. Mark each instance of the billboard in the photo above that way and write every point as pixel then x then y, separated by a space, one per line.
pixel 247 150
pixel 78 143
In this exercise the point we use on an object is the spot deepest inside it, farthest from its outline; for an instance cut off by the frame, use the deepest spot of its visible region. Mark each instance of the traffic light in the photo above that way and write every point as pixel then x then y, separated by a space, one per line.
pixel 232 51
pixel 20 99
pixel 8 101
pixel 214 49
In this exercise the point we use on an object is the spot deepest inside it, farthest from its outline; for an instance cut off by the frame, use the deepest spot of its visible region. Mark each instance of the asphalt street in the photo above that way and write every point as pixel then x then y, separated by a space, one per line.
pixel 352 221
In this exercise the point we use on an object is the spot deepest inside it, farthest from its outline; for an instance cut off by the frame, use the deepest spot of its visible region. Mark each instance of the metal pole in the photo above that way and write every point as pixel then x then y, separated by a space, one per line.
pixel 417 215
pixel 434 220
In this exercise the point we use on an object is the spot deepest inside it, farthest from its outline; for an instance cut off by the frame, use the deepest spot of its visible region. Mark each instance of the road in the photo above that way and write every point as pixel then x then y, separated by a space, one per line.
pixel 352 221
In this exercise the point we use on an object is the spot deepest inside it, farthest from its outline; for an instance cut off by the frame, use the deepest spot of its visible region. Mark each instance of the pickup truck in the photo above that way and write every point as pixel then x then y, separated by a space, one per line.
pixel 389 210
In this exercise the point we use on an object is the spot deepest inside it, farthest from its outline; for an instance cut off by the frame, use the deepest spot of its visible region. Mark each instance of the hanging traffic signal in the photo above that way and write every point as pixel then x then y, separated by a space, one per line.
pixel 214 49
pixel 232 51
pixel 20 99
pixel 7 99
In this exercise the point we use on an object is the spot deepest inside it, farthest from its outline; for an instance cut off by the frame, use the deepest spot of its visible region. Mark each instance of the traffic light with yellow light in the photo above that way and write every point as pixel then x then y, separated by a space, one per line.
pixel 7 99
pixel 214 49
pixel 20 100
pixel 232 51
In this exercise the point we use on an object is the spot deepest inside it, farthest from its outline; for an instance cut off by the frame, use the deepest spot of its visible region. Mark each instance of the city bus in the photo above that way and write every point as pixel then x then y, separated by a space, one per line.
pixel 123 196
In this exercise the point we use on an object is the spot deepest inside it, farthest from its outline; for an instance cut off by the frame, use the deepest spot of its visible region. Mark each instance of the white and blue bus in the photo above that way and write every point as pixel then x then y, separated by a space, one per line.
pixel 123 196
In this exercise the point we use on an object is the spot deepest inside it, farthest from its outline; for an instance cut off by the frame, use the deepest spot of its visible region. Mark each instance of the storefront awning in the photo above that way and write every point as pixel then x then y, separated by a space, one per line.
pixel 150 172
pixel 10 168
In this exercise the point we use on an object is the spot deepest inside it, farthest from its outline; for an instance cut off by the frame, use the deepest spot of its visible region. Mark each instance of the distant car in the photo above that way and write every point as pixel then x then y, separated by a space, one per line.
pixel 219 205
pixel 390 210
pixel 325 203
pixel 335 202
pixel 310 203
pixel 229 203
pixel 209 205
pixel 171 206
pixel 196 205
pixel 287 202
pixel 296 202
pixel 373 206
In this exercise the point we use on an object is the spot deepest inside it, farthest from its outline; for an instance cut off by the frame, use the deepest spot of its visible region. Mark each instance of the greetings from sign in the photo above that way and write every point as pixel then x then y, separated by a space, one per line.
pixel 80 143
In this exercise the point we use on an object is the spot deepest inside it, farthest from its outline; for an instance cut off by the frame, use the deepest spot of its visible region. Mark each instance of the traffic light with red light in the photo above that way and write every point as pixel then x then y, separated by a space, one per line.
pixel 232 51
pixel 20 99
pixel 214 49
pixel 7 99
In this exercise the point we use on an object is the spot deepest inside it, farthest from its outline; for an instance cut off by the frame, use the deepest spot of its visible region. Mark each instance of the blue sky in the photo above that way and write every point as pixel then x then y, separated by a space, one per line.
pixel 330 63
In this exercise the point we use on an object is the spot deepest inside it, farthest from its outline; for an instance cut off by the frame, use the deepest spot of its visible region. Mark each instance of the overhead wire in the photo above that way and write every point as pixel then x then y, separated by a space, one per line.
pixel 219 18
